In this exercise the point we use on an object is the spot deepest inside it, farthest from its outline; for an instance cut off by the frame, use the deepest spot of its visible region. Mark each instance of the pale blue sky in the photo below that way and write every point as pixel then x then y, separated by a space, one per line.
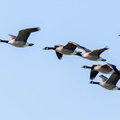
pixel 34 84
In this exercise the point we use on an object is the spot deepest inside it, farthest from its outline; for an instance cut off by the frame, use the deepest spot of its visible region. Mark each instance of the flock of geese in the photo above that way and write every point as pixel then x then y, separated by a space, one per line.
pixel 70 49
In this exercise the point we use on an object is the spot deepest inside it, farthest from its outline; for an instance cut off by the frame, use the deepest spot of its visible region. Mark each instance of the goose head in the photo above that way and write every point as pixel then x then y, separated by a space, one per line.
pixel 85 66
pixel 30 44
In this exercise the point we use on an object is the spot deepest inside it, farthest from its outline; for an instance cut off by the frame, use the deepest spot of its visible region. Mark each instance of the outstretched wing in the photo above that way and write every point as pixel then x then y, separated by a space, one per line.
pixel 113 78
pixel 83 49
pixel 59 55
pixel 93 74
pixel 71 46
pixel 12 36
pixel 113 67
pixel 98 51
pixel 103 78
pixel 25 33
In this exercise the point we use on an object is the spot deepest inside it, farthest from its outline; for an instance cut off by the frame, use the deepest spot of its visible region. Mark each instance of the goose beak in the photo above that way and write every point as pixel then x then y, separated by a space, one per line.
pixel 83 66
pixel 91 82
pixel 45 48
pixel 31 44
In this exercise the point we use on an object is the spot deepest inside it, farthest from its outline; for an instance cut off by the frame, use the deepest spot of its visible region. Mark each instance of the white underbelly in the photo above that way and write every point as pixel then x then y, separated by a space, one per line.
pixel 108 86
pixel 91 57
pixel 18 43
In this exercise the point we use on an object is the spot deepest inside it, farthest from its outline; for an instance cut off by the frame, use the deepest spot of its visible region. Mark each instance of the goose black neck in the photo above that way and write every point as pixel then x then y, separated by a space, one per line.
pixel 85 66
pixel 94 82
pixel 4 41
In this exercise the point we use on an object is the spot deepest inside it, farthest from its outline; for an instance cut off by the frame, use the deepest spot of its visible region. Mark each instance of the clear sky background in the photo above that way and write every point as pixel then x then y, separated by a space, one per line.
pixel 34 84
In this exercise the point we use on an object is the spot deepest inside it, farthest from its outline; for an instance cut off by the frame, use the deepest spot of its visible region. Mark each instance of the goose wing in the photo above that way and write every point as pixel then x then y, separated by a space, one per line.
pixel 98 51
pixel 83 49
pixel 59 55
pixel 93 74
pixel 103 78
pixel 12 36
pixel 71 46
pixel 25 33
pixel 113 67
pixel 113 78
pixel 106 66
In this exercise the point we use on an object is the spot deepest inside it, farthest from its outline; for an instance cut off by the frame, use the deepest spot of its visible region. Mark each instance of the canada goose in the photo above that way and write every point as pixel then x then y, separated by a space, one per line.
pixel 21 39
pixel 92 55
pixel 106 68
pixel 108 83
pixel 68 49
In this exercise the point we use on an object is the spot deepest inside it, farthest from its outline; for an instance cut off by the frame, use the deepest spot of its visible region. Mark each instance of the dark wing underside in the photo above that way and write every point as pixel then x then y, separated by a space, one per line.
pixel 105 66
pixel 103 78
pixel 113 78
pixel 59 55
pixel 93 74
pixel 113 67
pixel 25 33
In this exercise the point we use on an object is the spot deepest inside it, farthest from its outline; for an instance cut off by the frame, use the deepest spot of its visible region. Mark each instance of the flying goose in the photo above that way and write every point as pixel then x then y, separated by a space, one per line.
pixel 21 39
pixel 92 55
pixel 68 49
pixel 108 83
pixel 106 68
